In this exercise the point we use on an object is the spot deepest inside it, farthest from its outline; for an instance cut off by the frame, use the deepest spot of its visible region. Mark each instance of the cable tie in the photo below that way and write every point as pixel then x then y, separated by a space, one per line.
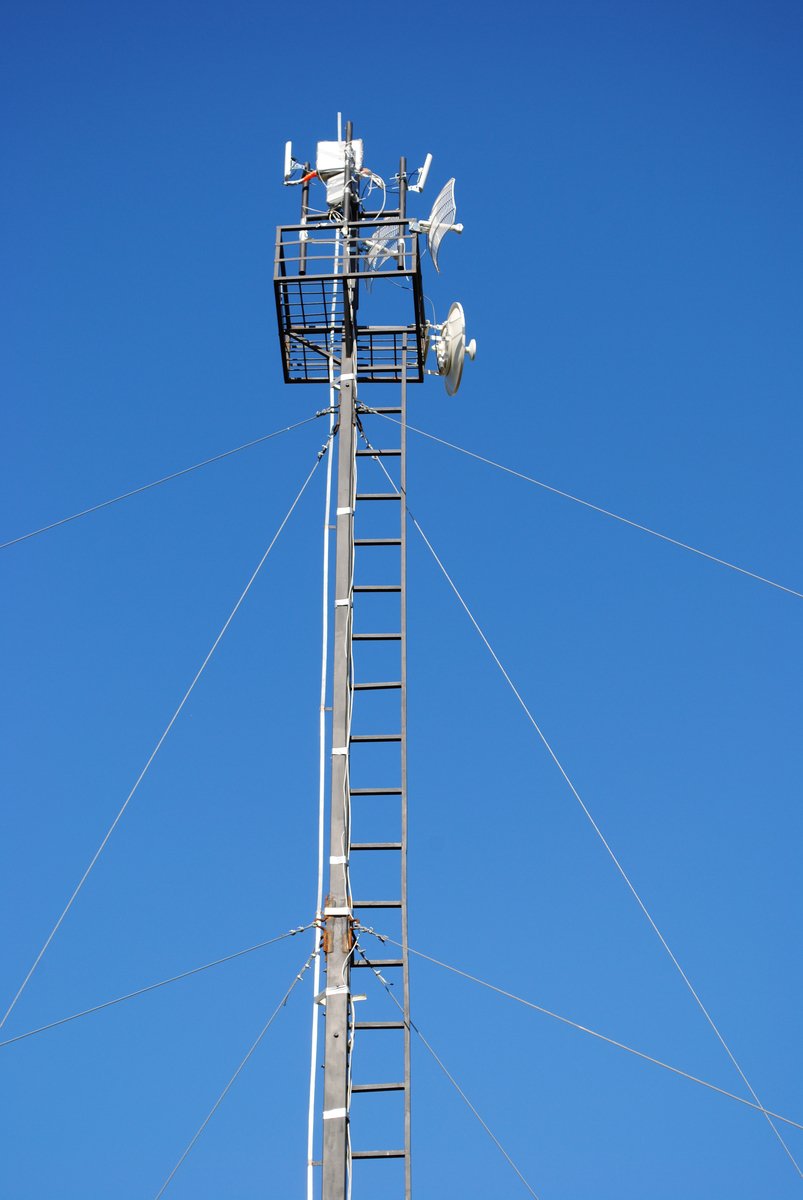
pixel 342 603
pixel 341 989
pixel 340 749
pixel 347 377
pixel 337 860
pixel 332 1114
pixel 337 912
pixel 344 512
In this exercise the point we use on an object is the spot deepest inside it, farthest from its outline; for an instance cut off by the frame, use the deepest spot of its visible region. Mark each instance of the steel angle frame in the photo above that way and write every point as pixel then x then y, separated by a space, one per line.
pixel 306 323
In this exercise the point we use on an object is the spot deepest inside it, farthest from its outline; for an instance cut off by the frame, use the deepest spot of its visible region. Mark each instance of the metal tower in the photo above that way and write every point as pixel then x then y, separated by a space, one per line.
pixel 350 309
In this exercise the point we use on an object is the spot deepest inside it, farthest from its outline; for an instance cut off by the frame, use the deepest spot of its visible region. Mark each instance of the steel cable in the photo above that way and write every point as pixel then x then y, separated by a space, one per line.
pixel 325 600
pixel 161 740
pixel 607 846
pixel 595 826
pixel 233 1078
pixel 412 1025
pixel 157 482
pixel 584 1029
pixel 605 512
pixel 152 987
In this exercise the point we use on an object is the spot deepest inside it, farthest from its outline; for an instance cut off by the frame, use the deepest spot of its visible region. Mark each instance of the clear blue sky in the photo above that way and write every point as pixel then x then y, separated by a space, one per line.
pixel 629 177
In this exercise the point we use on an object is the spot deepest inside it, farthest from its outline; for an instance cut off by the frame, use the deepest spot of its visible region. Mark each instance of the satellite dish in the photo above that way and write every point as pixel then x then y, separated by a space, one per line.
pixel 441 221
pixel 451 348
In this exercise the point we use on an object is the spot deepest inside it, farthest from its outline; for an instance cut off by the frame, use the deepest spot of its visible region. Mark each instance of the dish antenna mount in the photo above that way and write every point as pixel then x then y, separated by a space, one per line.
pixel 451 348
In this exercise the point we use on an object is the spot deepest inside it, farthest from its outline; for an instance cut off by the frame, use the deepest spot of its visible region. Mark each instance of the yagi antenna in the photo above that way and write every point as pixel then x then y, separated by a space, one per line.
pixel 441 221
pixel 420 183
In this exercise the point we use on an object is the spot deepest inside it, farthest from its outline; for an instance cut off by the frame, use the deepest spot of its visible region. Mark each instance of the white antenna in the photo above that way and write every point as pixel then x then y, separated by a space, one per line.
pixel 441 221
pixel 288 160
pixel 420 183
pixel 383 244
pixel 451 348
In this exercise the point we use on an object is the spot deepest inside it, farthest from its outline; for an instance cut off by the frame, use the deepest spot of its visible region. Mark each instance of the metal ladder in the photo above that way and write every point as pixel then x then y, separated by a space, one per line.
pixel 379 797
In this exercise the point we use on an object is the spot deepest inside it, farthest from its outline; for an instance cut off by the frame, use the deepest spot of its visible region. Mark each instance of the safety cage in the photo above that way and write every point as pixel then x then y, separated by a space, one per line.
pixel 314 265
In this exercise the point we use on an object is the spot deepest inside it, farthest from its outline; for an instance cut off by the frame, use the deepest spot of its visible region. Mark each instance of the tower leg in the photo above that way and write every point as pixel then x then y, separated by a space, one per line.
pixel 339 935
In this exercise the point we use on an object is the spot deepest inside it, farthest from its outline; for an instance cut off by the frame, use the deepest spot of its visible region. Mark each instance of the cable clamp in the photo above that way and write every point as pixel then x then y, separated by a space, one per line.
pixel 337 912
pixel 337 860
pixel 341 989
pixel 340 749
pixel 342 603
pixel 344 512
pixel 348 377
pixel 332 1114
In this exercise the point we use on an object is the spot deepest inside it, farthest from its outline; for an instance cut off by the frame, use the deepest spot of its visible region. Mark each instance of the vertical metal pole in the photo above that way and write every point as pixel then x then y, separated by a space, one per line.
pixel 339 935
pixel 403 628
pixel 302 237
pixel 339 931
pixel 350 211
pixel 402 209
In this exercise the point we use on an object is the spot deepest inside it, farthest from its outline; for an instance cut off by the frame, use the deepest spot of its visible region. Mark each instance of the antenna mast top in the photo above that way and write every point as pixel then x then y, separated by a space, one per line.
pixel 350 250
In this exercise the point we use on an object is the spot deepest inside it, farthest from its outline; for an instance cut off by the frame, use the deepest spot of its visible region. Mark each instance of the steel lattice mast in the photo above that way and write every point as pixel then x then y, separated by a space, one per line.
pixel 322 266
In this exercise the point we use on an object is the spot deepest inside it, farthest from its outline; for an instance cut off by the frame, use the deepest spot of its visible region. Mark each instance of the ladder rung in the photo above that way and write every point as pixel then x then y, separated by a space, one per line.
pixel 378 1024
pixel 380 963
pixel 377 587
pixel 378 496
pixel 376 904
pixel 376 687
pixel 378 1154
pixel 377 541
pixel 378 453
pixel 376 637
pixel 376 846
pixel 375 792
pixel 375 737
pixel 377 1087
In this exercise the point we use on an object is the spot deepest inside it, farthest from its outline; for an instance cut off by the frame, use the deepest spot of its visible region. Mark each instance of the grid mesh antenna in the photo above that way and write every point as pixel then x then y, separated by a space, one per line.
pixel 441 220
pixel 383 244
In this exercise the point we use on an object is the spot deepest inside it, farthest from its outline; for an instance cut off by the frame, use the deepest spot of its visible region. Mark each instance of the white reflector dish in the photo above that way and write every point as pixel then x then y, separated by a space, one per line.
pixel 451 348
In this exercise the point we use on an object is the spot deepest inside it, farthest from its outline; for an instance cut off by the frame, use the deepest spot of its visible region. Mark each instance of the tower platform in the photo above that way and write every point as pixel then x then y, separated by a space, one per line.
pixel 315 263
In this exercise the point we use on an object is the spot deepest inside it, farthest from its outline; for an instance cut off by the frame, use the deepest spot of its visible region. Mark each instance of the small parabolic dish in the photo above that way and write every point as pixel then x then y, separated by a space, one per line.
pixel 452 348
